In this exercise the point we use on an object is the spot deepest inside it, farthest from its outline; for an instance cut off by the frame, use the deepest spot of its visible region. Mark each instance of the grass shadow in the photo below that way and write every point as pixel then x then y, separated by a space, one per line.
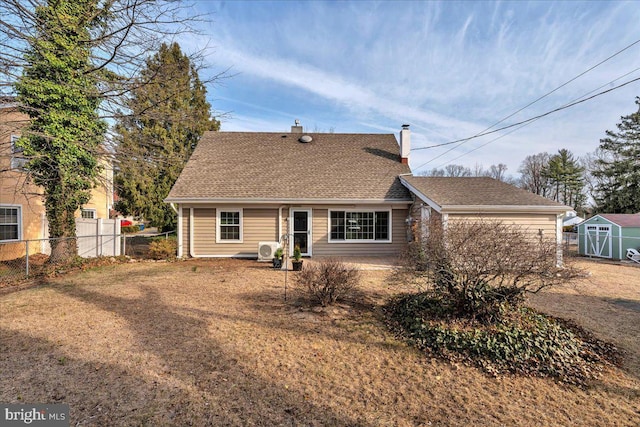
pixel 190 356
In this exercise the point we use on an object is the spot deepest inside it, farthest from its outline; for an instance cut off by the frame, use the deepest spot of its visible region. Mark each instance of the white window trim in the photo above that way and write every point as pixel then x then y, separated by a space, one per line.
pixel 373 241
pixel 19 207
pixel 240 211
pixel 95 213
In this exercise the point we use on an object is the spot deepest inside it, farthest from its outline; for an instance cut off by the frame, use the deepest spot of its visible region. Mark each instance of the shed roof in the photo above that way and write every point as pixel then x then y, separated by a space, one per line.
pixel 266 166
pixel 623 220
pixel 477 191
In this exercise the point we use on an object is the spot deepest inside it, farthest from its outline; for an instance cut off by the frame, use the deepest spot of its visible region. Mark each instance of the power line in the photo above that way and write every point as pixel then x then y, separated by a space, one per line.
pixel 564 84
pixel 524 122
pixel 484 132
pixel 532 118
pixel 520 127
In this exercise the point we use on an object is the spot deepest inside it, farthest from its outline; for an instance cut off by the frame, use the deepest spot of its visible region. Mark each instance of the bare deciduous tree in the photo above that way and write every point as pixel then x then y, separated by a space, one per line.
pixel 532 176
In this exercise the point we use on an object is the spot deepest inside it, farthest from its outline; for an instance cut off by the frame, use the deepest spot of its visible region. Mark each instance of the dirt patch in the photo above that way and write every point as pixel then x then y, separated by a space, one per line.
pixel 215 343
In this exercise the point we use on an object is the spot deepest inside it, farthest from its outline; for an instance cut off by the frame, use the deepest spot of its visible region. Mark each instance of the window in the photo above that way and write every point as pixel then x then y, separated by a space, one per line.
pixel 229 226
pixel 88 213
pixel 359 226
pixel 17 161
pixel 9 223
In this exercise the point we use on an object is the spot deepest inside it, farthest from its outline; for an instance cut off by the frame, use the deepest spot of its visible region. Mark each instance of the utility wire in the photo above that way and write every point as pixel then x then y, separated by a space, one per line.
pixel 527 122
pixel 520 127
pixel 532 118
pixel 484 132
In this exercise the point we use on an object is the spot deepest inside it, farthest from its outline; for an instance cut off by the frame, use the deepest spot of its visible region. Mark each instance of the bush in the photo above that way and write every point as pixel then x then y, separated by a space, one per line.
pixel 526 342
pixel 486 267
pixel 328 281
pixel 130 229
pixel 163 248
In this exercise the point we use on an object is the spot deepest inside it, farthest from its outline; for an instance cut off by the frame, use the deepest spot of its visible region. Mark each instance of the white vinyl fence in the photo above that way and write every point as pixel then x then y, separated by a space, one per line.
pixel 98 237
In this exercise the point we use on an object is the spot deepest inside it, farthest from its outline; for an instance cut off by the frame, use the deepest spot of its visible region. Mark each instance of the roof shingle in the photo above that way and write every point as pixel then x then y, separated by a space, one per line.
pixel 623 220
pixel 276 166
pixel 475 191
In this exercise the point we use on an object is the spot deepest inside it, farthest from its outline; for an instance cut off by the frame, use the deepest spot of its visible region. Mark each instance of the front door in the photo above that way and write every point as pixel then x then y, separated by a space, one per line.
pixel 301 230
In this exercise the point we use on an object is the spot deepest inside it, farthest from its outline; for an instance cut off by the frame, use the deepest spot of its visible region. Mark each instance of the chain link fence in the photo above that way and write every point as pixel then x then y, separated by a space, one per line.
pixel 28 258
pixel 591 243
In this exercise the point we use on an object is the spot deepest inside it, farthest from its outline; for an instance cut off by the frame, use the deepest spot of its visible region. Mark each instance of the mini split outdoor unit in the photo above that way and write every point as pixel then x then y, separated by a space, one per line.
pixel 267 250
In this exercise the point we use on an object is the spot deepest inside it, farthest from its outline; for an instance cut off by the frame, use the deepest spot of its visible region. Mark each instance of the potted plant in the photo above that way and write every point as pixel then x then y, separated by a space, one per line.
pixel 297 262
pixel 277 258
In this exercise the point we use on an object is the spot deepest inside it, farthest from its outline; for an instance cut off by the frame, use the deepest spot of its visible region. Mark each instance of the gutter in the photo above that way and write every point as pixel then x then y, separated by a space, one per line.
pixel 203 200
pixel 504 208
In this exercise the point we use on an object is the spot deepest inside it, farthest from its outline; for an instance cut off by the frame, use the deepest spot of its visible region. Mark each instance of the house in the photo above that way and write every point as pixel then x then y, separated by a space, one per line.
pixel 571 219
pixel 331 194
pixel 472 198
pixel 609 235
pixel 22 212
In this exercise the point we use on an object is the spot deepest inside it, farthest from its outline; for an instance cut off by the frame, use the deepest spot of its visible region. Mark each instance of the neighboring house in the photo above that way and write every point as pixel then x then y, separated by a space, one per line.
pixel 22 212
pixel 609 235
pixel 472 198
pixel 334 194
pixel 571 218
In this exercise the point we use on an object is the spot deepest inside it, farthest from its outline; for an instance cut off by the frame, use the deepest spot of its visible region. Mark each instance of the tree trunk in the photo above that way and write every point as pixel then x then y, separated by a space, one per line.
pixel 62 231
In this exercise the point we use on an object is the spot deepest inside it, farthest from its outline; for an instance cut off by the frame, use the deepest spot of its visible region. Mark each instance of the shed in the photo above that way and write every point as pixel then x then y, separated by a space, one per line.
pixel 609 235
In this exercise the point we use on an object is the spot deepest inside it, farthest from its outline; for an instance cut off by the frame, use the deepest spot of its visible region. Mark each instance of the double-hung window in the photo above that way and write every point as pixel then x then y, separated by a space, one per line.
pixel 229 226
pixel 362 226
pixel 10 217
pixel 88 213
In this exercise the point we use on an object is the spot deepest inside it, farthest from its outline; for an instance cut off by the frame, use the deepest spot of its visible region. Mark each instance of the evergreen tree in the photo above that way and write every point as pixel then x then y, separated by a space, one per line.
pixel 565 175
pixel 618 169
pixel 169 115
pixel 61 97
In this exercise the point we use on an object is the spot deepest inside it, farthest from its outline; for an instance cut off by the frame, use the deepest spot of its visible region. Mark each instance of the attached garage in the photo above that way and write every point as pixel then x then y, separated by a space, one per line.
pixel 609 235
pixel 482 198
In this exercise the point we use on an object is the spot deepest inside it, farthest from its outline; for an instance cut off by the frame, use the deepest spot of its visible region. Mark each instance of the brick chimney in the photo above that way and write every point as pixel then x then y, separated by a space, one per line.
pixel 405 144
pixel 297 128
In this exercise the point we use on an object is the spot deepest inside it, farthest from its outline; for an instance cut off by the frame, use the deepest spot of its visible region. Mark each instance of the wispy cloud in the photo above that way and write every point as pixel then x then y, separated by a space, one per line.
pixel 450 69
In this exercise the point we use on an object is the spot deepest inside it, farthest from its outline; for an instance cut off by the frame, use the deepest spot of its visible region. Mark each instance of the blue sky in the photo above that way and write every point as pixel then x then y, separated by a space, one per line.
pixel 450 69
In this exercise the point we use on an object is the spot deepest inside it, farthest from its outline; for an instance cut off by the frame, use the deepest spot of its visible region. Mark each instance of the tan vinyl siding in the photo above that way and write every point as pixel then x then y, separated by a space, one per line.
pixel 322 247
pixel 532 223
pixel 258 225
pixel 261 225
pixel 204 231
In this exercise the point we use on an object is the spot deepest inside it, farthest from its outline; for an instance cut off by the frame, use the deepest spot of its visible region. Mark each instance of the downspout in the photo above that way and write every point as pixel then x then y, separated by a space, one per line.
pixel 559 239
pixel 410 219
pixel 179 232
pixel 191 251
pixel 279 237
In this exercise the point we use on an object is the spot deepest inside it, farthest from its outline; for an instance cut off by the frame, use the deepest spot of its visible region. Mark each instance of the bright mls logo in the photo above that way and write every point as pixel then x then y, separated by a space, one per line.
pixel 34 415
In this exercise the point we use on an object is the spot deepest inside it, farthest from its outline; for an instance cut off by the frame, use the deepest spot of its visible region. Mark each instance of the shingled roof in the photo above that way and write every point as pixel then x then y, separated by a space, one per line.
pixel 263 166
pixel 448 192
pixel 624 220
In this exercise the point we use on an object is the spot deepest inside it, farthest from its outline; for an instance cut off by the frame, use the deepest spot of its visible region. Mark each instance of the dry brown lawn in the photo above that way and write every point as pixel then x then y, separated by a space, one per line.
pixel 214 343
